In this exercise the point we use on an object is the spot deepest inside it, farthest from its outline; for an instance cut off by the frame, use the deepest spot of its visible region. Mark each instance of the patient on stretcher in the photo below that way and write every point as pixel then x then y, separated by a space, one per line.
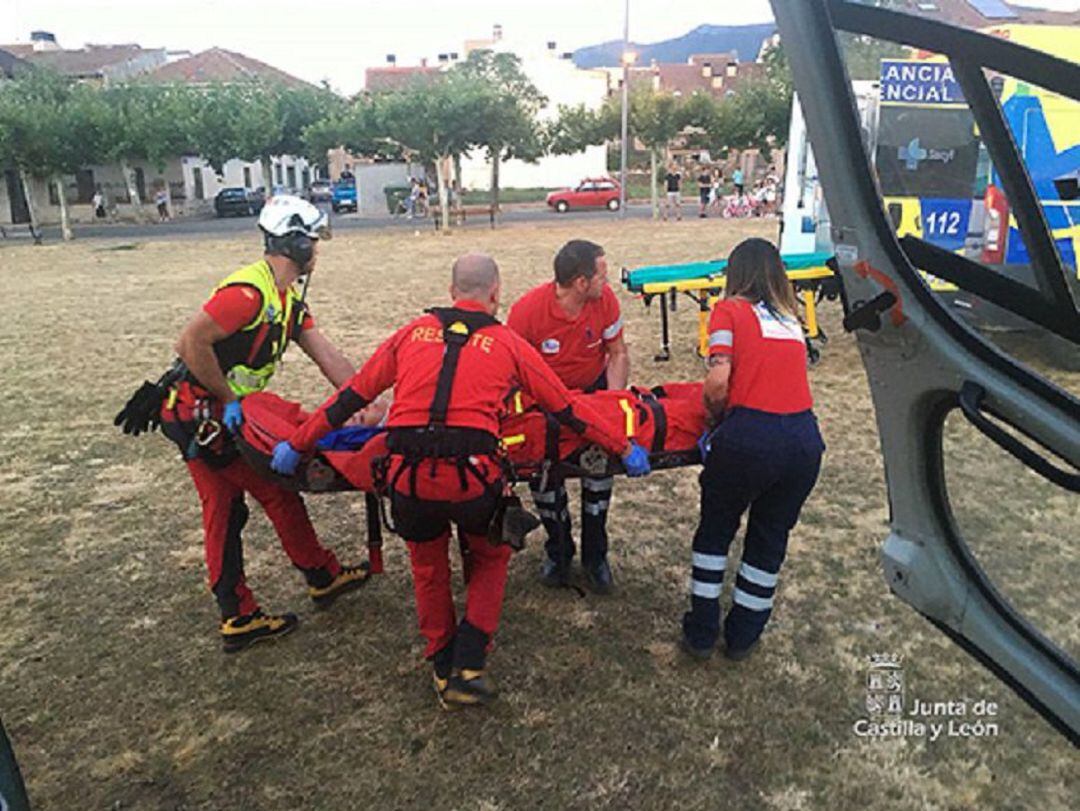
pixel 666 420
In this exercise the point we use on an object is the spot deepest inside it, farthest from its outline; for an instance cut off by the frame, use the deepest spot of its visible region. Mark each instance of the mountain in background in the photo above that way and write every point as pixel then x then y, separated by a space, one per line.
pixel 745 40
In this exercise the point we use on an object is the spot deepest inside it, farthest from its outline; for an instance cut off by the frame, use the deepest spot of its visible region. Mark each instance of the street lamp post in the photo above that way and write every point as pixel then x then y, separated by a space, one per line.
pixel 627 58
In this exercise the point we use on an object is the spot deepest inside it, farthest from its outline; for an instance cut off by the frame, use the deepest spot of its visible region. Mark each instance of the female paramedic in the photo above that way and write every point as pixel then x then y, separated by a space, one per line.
pixel 763 455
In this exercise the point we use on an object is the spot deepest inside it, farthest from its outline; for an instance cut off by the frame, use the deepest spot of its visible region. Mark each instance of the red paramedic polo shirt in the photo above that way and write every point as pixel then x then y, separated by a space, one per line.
pixel 575 348
pixel 768 357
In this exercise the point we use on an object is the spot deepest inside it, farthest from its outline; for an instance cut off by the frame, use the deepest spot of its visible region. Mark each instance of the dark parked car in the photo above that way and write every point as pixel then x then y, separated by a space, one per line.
pixel 237 201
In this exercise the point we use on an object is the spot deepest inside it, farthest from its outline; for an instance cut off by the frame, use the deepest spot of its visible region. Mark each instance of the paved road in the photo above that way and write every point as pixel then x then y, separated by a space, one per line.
pixel 190 228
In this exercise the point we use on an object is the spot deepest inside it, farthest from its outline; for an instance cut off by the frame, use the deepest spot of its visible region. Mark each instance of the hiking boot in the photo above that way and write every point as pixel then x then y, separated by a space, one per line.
pixel 349 579
pixel 738 654
pixel 239 632
pixel 440 685
pixel 598 578
pixel 701 654
pixel 553 574
pixel 467 688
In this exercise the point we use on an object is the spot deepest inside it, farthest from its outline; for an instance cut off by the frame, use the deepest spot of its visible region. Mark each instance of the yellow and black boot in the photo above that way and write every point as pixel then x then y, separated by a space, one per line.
pixel 469 685
pixel 468 688
pixel 241 631
pixel 442 664
pixel 348 579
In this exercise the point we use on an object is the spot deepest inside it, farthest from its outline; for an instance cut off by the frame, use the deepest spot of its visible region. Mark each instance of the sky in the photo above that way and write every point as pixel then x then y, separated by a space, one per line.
pixel 336 39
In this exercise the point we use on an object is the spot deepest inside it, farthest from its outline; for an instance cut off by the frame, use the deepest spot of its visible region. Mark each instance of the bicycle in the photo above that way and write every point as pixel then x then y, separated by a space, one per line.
pixel 736 207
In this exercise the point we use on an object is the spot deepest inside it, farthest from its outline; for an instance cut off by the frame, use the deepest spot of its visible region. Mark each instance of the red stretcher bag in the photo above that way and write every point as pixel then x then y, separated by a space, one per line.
pixel 666 420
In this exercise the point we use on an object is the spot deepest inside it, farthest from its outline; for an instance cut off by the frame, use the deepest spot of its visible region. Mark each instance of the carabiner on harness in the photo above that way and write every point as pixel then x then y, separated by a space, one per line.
pixel 207 431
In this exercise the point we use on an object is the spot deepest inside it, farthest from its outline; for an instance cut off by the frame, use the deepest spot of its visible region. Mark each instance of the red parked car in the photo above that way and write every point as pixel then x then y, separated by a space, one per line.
pixel 593 192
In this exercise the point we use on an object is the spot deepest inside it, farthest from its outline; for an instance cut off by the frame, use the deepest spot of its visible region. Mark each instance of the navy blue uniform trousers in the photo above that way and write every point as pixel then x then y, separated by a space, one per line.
pixel 767 463
pixel 554 508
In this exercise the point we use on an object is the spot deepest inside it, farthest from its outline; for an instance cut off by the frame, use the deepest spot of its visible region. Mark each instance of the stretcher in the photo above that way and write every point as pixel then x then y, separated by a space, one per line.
pixel 666 420
pixel 811 275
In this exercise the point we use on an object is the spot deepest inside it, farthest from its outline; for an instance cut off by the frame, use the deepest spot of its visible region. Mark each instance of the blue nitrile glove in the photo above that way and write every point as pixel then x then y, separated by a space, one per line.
pixel 704 442
pixel 285 459
pixel 637 463
pixel 233 417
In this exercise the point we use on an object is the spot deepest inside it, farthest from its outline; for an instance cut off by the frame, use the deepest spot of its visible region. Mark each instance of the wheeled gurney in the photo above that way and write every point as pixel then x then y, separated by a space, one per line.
pixel 811 275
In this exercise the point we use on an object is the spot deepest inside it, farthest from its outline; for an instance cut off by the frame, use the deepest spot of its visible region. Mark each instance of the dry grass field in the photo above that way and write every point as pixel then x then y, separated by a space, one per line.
pixel 116 695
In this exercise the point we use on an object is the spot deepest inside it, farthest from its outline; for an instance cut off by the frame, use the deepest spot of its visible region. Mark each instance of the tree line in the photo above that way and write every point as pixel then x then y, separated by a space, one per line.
pixel 51 127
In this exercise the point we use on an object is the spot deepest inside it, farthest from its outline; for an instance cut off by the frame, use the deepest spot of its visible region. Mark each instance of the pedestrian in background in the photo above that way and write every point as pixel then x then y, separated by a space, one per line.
pixel 673 196
pixel 705 181
pixel 715 195
pixel 161 198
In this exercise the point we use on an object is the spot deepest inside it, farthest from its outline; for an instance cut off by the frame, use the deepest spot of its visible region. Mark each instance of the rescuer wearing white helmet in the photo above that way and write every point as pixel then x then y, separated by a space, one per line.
pixel 231 348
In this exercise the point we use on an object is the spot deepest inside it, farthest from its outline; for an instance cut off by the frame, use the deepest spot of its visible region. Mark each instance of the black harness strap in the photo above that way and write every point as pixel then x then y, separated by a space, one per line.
pixel 659 416
pixel 551 438
pixel 458 327
pixel 437 440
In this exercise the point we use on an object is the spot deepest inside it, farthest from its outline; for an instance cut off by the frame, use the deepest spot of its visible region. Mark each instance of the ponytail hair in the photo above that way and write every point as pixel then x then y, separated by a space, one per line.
pixel 756 272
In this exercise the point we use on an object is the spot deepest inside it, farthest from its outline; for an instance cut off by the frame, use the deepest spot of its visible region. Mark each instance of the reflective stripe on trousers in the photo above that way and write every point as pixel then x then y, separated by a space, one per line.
pixel 766 464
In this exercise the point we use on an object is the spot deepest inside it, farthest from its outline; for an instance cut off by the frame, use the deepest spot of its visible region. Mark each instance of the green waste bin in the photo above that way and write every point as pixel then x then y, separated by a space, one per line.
pixel 395 196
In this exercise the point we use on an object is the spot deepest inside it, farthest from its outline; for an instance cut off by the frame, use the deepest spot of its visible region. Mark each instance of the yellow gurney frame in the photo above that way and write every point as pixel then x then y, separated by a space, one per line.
pixel 808 284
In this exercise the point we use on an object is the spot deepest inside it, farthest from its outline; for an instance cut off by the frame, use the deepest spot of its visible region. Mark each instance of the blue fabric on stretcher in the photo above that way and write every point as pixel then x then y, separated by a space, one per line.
pixel 350 438
pixel 639 277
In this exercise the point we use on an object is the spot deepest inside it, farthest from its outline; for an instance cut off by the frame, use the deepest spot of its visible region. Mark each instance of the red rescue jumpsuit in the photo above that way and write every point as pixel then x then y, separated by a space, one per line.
pixel 222 478
pixel 427 497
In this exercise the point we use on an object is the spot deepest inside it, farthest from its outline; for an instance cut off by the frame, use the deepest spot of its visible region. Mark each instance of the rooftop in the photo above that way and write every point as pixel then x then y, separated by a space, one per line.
pixel 394 77
pixel 90 61
pixel 221 65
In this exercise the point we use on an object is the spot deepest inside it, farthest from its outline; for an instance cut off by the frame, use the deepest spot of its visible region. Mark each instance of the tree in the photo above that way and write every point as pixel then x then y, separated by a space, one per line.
pixel 510 127
pixel 80 133
pixel 296 109
pixel 235 120
pixel 577 127
pixel 863 54
pixel 49 128
pixel 655 119
pixel 763 112
pixel 354 127
pixel 435 120
pixel 151 123
pixel 21 129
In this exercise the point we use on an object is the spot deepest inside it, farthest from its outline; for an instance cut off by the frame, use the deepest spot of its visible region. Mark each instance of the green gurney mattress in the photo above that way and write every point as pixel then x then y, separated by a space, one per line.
pixel 637 278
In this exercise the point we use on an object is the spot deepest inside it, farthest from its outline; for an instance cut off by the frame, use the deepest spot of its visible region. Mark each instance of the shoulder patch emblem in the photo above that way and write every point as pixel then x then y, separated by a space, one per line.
pixel 550 346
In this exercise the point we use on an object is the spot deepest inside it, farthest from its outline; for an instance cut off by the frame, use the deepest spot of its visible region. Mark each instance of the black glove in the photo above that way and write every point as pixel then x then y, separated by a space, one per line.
pixel 142 412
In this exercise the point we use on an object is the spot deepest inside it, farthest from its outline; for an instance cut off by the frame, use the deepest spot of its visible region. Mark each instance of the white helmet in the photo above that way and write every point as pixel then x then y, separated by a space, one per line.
pixel 286 214
pixel 291 226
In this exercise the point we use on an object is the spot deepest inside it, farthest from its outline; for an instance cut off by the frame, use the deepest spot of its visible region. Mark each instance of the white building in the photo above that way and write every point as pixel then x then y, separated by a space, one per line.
pixel 563 83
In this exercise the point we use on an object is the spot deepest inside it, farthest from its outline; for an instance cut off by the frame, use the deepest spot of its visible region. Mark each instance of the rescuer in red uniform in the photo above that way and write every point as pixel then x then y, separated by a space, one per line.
pixel 763 456
pixel 452 370
pixel 231 348
pixel 575 323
